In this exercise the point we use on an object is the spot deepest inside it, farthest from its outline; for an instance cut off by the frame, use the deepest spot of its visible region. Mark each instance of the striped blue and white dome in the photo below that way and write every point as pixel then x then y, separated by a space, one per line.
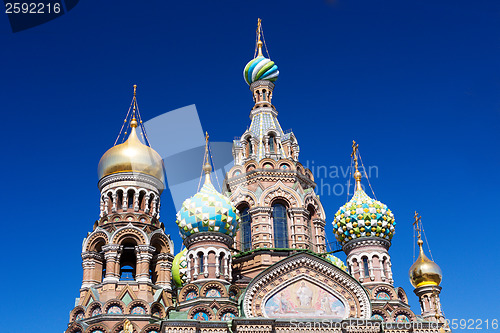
pixel 260 68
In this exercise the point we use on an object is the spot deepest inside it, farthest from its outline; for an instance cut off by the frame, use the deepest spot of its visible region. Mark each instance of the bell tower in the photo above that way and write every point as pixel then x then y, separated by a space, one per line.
pixel 127 258
pixel 280 213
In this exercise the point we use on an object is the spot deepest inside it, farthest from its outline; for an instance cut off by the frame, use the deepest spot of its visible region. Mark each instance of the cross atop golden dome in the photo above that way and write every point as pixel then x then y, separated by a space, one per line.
pixel 424 271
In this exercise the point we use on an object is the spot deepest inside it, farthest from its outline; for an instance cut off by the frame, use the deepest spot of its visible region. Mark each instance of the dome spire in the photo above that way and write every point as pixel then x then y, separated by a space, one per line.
pixel 207 168
pixel 357 174
pixel 424 271
pixel 259 42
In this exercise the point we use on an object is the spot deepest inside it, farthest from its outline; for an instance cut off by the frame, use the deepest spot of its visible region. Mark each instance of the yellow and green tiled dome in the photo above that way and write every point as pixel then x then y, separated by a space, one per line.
pixel 207 210
pixel 336 261
pixel 363 216
pixel 179 268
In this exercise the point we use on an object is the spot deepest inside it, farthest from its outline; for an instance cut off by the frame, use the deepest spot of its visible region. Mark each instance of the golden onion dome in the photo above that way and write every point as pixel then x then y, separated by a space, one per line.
pixel 424 272
pixel 131 156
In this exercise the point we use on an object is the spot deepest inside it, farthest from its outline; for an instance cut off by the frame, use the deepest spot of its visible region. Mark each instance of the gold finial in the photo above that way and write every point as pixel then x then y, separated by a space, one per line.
pixel 133 122
pixel 416 224
pixel 357 174
pixel 259 42
pixel 207 168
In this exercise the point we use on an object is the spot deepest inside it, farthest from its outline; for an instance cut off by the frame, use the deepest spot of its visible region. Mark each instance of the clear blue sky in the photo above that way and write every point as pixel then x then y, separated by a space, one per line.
pixel 416 83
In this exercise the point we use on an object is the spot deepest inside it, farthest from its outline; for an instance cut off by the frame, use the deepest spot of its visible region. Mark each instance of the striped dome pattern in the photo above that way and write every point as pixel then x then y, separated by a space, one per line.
pixel 363 216
pixel 207 210
pixel 179 268
pixel 260 68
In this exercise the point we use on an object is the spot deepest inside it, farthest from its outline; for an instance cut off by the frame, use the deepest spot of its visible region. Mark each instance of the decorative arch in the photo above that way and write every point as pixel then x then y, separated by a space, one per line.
pixel 312 199
pixel 158 238
pixel 97 238
pixel 280 191
pixel 158 310
pixel 243 196
pixel 137 303
pixel 383 289
pixel 75 328
pixel 223 313
pixel 234 292
pixel 213 285
pixel 75 313
pixel 382 313
pixel 151 328
pixel 118 328
pixel 94 309
pixel 98 327
pixel 265 161
pixel 114 306
pixel 186 290
pixel 396 315
pixel 194 312
pixel 402 295
pixel 303 268
pixel 129 231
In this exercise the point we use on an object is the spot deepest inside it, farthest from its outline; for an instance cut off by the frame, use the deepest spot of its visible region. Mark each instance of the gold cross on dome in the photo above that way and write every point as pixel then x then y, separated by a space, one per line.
pixel 417 222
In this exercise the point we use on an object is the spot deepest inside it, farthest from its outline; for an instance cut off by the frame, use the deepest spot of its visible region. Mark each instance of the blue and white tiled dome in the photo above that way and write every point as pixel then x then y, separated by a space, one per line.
pixel 207 211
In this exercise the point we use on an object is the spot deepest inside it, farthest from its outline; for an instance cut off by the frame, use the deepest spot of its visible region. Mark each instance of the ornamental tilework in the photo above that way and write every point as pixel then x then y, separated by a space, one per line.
pixel 363 216
pixel 207 210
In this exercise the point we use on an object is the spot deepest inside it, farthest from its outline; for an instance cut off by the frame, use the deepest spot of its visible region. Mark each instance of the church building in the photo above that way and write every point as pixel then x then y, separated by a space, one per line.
pixel 254 256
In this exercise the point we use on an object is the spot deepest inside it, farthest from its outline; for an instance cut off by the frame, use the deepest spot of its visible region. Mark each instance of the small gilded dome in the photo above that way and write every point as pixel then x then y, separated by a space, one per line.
pixel 131 156
pixel 424 272
pixel 260 68
pixel 363 216
pixel 179 268
pixel 207 210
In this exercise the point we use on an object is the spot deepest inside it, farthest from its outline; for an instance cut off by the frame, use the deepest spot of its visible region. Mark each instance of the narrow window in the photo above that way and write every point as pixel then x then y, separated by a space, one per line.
pixel 128 262
pixel 200 258
pixel 250 148
pixel 221 263
pixel 280 226
pixel 130 199
pixel 365 266
pixel 272 147
pixel 246 230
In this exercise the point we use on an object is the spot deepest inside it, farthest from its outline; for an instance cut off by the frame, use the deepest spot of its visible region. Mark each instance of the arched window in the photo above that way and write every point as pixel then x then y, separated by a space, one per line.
pixel 119 202
pixel 264 95
pixel 280 226
pixel 246 230
pixel 250 148
pixel 141 200
pixel 130 199
pixel 128 261
pixel 200 262
pixel 365 267
pixel 272 147
pixel 221 264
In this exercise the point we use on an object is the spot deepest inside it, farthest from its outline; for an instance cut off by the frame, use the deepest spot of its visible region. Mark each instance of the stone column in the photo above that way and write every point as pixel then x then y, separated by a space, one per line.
pixel 261 219
pixel 112 257
pixel 164 268
pixel 298 219
pixel 91 261
pixel 144 254
pixel 319 231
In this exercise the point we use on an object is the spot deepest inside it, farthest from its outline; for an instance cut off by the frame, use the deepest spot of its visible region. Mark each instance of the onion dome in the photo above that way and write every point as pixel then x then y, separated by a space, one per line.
pixel 424 272
pixel 179 268
pixel 207 210
pixel 336 261
pixel 260 68
pixel 131 156
pixel 362 216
